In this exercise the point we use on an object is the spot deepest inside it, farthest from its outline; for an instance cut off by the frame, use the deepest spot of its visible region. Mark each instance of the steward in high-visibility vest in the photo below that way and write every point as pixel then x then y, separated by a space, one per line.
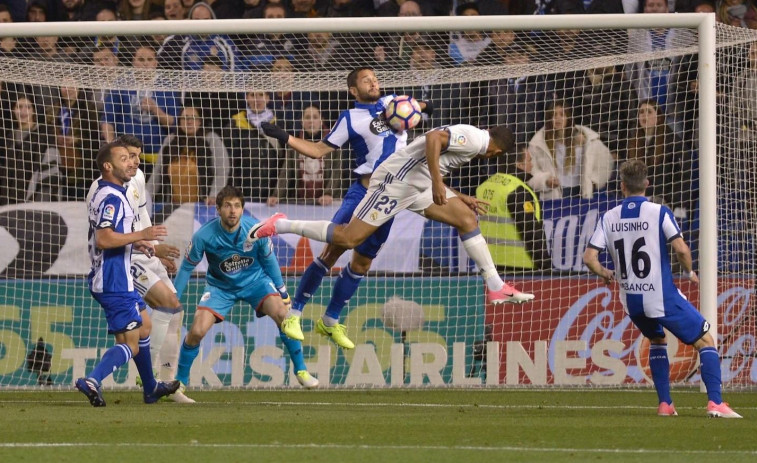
pixel 513 225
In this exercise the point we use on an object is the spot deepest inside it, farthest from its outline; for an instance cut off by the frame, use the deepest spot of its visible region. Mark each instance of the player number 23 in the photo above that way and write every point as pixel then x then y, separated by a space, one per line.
pixel 384 201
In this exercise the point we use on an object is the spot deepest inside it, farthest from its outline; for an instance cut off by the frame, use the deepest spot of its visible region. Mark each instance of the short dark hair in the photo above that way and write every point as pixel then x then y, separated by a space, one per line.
pixel 633 174
pixel 229 191
pixel 129 140
pixel 352 76
pixel 503 137
pixel 105 153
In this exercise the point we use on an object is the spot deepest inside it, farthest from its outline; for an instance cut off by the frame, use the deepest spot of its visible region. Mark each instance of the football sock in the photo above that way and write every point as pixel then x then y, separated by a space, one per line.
pixel 660 366
pixel 476 247
pixel 313 229
pixel 169 353
pixel 294 347
pixel 113 358
pixel 345 287
pixel 144 365
pixel 161 317
pixel 309 284
pixel 708 357
pixel 187 356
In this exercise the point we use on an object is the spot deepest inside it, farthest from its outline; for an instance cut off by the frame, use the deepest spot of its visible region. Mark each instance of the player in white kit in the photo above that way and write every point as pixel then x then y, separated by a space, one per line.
pixel 636 234
pixel 411 178
pixel 151 278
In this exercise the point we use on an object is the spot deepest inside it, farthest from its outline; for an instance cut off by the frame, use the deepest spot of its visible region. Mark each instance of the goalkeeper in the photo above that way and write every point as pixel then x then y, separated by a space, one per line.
pixel 236 272
pixel 371 140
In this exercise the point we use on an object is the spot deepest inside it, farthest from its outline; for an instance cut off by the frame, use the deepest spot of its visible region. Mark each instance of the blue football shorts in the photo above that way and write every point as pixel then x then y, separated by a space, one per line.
pixel 681 319
pixel 121 310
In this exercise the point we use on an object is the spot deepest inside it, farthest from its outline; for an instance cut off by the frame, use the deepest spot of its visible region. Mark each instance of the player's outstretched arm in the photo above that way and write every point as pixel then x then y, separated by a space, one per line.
pixel 315 150
pixel 435 140
pixel 107 238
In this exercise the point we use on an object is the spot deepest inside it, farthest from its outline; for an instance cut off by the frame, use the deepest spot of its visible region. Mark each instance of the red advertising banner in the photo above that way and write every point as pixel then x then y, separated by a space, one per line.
pixel 576 332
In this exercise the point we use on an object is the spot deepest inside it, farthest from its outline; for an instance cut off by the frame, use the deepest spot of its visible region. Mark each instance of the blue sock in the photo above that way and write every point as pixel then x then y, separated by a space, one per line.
pixel 344 288
pixel 710 360
pixel 144 366
pixel 309 283
pixel 294 347
pixel 660 366
pixel 187 356
pixel 112 359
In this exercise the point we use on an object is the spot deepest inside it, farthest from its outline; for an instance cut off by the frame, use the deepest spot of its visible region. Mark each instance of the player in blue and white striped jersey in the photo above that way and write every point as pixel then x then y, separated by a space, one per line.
pixel 371 141
pixel 636 234
pixel 111 239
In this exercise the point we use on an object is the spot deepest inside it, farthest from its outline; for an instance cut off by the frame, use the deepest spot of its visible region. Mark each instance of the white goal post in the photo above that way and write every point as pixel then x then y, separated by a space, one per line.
pixel 708 39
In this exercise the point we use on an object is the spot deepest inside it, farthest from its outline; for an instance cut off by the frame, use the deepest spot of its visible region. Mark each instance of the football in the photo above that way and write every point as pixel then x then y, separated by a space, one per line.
pixel 403 113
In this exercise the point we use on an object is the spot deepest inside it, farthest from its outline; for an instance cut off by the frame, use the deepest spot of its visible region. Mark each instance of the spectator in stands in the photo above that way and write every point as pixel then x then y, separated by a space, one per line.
pixel 7 44
pixel 185 171
pixel 396 49
pixel 174 10
pixel 188 52
pixel 653 78
pixel 253 9
pixel 562 44
pixel 31 157
pixel 517 102
pixel 216 107
pixel 261 50
pixel 84 10
pixel 88 44
pixel 304 9
pixel 129 10
pixel 36 11
pixel 287 104
pixel 668 161
pixel 568 160
pixel 77 139
pixel 102 57
pixel 319 53
pixel 739 13
pixel 604 102
pixel 465 46
pixel 349 9
pixel 157 39
pixel 252 156
pixel 148 115
pixel 305 179
pixel 743 96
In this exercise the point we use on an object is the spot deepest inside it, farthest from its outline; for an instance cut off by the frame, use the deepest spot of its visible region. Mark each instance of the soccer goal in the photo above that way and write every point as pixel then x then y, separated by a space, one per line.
pixel 678 91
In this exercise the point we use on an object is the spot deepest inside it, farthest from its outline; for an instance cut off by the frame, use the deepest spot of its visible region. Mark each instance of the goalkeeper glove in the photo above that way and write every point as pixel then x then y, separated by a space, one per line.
pixel 273 131
pixel 429 109
pixel 284 295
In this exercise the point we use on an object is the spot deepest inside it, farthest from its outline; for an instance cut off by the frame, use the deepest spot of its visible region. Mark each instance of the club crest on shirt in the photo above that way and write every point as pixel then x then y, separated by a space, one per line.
pixel 109 212
pixel 379 126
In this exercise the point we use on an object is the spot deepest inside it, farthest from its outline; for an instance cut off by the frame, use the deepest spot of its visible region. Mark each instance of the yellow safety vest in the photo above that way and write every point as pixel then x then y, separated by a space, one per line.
pixel 498 227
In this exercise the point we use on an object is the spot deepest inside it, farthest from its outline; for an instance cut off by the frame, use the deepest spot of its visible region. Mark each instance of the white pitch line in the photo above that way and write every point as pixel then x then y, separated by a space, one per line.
pixel 394 404
pixel 380 447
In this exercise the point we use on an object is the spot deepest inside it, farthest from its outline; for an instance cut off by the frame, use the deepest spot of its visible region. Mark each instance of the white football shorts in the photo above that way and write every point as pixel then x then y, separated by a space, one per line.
pixel 148 271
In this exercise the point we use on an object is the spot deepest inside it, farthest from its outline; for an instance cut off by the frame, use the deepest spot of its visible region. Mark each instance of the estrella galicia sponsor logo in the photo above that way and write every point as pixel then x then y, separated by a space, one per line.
pixel 379 126
pixel 235 263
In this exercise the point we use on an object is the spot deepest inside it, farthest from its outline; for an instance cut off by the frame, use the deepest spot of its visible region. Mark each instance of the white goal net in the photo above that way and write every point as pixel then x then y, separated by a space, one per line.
pixel 580 101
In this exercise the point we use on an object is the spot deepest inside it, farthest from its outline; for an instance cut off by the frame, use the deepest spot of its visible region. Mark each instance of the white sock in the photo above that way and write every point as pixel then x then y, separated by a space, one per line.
pixel 169 353
pixel 478 250
pixel 160 321
pixel 328 321
pixel 313 229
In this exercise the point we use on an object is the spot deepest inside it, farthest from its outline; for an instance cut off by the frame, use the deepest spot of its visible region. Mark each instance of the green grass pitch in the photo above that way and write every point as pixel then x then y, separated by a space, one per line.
pixel 403 426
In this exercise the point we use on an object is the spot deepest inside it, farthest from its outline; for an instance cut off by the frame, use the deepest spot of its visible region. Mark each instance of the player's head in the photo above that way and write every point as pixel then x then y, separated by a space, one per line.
pixel 363 85
pixel 633 178
pixel 134 145
pixel 113 160
pixel 230 205
pixel 501 140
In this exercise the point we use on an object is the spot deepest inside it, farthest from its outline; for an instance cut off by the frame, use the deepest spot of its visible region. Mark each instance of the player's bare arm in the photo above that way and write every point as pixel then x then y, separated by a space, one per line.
pixel 591 259
pixel 683 253
pixel 107 238
pixel 435 140
pixel 478 206
pixel 311 149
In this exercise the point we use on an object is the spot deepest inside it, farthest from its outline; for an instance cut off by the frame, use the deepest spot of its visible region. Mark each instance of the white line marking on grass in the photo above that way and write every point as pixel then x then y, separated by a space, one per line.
pixel 444 448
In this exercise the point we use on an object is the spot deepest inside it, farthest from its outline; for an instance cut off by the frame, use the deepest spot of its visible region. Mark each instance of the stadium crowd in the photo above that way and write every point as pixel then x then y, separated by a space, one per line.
pixel 579 125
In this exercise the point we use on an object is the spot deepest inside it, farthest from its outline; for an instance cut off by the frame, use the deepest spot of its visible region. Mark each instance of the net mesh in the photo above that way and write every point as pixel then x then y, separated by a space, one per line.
pixel 420 317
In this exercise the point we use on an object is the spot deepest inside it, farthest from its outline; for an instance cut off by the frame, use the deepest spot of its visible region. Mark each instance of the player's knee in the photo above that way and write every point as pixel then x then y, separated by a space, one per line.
pixel 360 264
pixel 466 223
pixel 704 341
